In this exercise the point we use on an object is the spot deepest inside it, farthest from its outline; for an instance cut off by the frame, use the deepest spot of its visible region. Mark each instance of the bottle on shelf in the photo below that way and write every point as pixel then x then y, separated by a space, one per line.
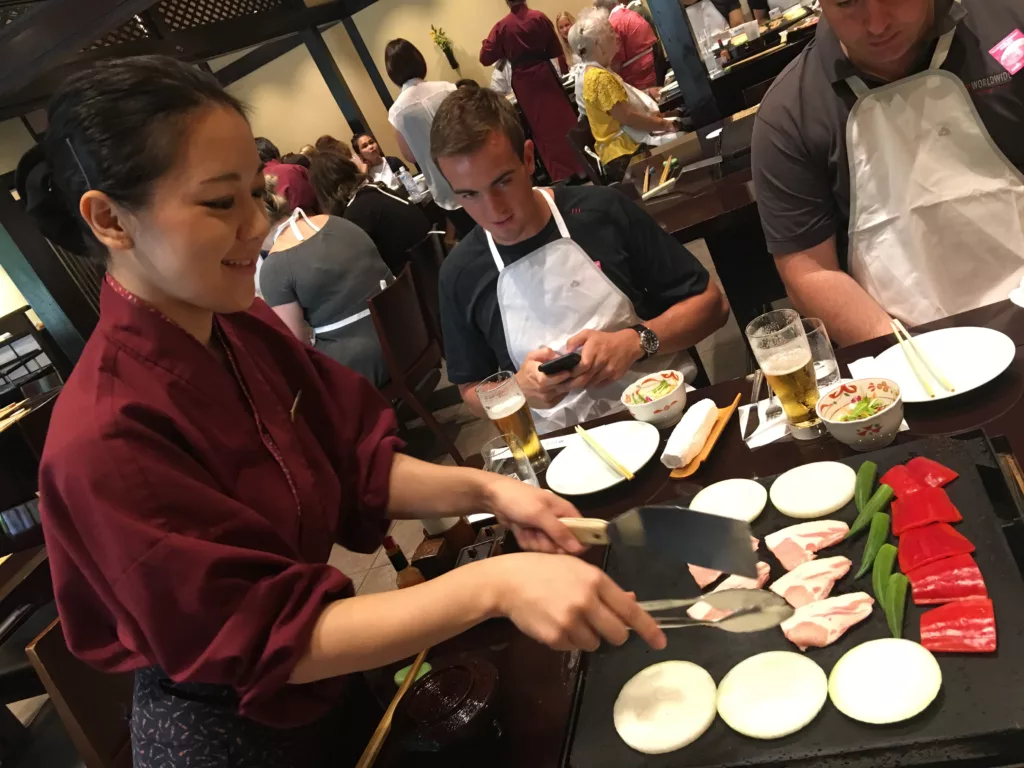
pixel 408 575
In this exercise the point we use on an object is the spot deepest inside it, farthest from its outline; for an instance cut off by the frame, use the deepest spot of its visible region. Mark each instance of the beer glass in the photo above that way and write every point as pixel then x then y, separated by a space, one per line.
pixel 826 369
pixel 505 405
pixel 781 348
pixel 505 456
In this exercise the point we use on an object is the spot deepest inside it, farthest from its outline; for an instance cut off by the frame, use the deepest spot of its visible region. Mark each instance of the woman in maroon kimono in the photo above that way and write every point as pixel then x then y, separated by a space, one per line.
pixel 528 40
pixel 201 460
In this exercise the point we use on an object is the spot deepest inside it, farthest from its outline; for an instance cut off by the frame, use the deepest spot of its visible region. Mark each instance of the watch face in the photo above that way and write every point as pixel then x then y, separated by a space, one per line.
pixel 650 341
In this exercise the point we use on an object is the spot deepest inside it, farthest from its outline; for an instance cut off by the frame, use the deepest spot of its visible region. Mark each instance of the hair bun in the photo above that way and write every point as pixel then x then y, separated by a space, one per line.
pixel 45 203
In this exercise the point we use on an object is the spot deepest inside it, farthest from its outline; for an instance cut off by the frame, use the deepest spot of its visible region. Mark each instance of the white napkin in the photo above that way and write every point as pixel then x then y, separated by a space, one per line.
pixel 766 432
pixel 1017 294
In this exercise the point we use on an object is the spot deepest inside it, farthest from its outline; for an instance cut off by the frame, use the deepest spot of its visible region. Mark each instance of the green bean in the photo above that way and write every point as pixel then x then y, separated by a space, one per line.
pixel 877 503
pixel 882 570
pixel 876 538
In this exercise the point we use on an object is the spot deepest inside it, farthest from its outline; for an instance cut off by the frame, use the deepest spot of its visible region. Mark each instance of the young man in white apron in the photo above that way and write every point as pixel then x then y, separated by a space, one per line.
pixel 887 162
pixel 549 272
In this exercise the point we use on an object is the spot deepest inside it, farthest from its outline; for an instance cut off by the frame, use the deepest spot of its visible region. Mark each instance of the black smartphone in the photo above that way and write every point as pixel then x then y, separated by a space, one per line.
pixel 559 364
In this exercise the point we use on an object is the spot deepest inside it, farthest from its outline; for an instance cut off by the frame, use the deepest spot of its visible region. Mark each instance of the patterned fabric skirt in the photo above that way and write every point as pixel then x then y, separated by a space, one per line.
pixel 190 725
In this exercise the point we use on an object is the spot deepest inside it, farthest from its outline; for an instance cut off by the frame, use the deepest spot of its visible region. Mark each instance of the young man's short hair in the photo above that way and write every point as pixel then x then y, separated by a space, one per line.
pixel 467 117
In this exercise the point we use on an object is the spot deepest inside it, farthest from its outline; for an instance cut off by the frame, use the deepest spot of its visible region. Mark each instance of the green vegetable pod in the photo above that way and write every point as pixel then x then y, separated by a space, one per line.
pixel 865 484
pixel 877 503
pixel 876 538
pixel 882 570
pixel 896 602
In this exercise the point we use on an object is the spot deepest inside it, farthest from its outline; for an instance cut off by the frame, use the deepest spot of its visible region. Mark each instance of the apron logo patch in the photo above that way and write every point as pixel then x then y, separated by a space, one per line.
pixel 1010 52
pixel 574 284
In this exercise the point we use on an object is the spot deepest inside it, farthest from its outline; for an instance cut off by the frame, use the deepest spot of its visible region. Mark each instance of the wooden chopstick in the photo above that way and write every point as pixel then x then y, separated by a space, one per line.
pixel 909 351
pixel 372 750
pixel 946 385
pixel 606 457
pixel 664 173
pixel 647 178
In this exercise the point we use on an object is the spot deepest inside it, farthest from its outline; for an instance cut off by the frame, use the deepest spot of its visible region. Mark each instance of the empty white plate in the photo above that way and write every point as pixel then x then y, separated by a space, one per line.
pixel 968 357
pixel 578 470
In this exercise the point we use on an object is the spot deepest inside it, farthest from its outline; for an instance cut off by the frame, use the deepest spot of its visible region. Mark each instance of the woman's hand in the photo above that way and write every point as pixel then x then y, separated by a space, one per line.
pixel 533 515
pixel 566 603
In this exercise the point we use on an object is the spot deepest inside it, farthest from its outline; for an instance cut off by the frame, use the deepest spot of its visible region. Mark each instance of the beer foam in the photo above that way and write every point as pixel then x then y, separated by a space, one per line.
pixel 787 362
pixel 505 408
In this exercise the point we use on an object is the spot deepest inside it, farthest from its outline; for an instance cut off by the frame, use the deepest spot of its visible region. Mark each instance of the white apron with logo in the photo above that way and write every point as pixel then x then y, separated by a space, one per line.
pixel 936 209
pixel 549 296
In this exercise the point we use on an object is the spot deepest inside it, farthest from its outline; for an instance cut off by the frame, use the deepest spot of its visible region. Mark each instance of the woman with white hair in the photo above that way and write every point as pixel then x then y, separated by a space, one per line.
pixel 620 116
pixel 634 61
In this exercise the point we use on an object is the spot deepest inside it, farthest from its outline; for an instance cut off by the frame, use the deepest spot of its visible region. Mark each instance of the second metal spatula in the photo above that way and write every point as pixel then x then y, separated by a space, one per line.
pixel 696 538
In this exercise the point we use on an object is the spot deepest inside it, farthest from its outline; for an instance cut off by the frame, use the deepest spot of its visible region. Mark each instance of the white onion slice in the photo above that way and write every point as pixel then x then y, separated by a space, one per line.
pixel 772 695
pixel 814 490
pixel 885 681
pixel 665 707
pixel 738 498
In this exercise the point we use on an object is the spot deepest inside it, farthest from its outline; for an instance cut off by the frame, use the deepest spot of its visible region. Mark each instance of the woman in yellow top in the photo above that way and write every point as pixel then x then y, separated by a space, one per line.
pixel 611 106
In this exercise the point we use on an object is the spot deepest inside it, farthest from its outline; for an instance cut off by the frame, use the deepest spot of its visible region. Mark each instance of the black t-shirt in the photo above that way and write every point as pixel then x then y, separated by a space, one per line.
pixel 648 265
pixel 395 226
pixel 801 168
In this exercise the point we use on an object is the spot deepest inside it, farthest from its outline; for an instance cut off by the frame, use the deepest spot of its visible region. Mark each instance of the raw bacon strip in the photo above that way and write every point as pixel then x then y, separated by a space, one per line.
pixel 947 580
pixel 920 546
pixel 967 626
pixel 811 581
pixel 930 472
pixel 706 576
pixel 929 505
pixel 822 623
pixel 797 544
pixel 901 481
pixel 704 612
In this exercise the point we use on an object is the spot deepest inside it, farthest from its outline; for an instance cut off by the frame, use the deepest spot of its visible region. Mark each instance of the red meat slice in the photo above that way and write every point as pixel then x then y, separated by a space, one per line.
pixel 930 472
pixel 920 546
pixel 901 481
pixel 967 626
pixel 947 580
pixel 928 505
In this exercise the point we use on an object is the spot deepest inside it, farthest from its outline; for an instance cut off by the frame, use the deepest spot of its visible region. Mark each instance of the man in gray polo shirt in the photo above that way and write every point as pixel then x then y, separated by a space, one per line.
pixel 911 203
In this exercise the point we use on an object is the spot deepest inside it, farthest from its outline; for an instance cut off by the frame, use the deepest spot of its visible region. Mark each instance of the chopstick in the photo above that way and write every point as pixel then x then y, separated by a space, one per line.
pixel 665 171
pixel 647 178
pixel 602 453
pixel 372 750
pixel 936 374
pixel 908 352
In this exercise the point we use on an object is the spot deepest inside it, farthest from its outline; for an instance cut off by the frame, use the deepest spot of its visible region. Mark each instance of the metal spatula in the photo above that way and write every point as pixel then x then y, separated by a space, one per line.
pixel 752 610
pixel 696 538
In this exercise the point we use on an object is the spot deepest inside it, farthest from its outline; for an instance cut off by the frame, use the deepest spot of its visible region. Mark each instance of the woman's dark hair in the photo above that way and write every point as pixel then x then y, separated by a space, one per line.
pixel 404 62
pixel 334 178
pixel 294 158
pixel 267 150
pixel 116 128
pixel 467 82
pixel 357 137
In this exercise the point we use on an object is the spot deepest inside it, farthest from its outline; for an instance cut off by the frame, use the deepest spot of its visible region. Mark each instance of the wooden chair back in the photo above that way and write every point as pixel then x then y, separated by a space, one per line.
pixel 95 707
pixel 426 258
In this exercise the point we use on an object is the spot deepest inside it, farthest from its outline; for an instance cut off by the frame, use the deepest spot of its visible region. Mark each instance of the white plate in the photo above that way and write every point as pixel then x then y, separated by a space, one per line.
pixel 578 470
pixel 968 357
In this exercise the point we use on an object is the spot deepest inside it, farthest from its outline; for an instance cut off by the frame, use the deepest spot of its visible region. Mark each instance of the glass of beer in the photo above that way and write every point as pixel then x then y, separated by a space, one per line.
pixel 505 456
pixel 780 345
pixel 505 405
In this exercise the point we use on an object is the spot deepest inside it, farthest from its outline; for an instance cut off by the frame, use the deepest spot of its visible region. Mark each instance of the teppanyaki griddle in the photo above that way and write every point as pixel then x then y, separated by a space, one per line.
pixel 981 703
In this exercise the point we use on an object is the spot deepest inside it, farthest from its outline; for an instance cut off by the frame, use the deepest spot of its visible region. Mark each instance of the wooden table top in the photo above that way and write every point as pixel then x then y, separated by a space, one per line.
pixel 537 685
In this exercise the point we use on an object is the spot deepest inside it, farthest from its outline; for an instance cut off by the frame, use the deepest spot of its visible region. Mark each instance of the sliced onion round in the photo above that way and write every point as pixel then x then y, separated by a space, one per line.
pixel 665 707
pixel 772 695
pixel 885 681
pixel 813 490
pixel 738 498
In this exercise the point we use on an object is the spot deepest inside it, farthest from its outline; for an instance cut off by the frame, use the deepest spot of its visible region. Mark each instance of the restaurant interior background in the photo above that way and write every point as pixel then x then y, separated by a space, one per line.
pixel 292 104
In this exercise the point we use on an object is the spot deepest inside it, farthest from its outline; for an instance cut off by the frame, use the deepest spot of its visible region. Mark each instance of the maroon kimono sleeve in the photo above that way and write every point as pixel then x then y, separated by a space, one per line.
pixel 490 50
pixel 153 565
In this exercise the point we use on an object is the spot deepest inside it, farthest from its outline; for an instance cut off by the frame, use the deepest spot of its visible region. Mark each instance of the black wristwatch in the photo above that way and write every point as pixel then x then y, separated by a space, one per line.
pixel 648 340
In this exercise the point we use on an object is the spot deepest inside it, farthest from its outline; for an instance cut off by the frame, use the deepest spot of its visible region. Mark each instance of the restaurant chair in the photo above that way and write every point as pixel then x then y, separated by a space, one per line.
pixel 95 707
pixel 582 140
pixel 754 95
pixel 426 258
pixel 412 354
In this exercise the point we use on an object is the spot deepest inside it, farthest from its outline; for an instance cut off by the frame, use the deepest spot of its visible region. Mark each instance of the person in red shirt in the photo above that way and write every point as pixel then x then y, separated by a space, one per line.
pixel 527 39
pixel 292 180
pixel 635 60
pixel 200 460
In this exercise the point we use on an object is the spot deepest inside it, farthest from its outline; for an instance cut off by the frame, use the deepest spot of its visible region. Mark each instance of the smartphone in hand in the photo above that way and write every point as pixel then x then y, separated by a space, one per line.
pixel 559 364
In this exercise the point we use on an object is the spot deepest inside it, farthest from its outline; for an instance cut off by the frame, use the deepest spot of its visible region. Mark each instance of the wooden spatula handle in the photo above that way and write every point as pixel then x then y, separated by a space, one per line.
pixel 587 530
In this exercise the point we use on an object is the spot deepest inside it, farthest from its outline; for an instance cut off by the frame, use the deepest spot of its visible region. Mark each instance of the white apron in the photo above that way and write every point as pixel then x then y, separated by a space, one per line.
pixel 936 209
pixel 638 100
pixel 552 294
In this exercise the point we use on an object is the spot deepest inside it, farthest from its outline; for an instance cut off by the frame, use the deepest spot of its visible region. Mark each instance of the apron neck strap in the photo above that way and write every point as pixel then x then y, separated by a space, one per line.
pixel 373 186
pixel 860 88
pixel 549 198
pixel 295 227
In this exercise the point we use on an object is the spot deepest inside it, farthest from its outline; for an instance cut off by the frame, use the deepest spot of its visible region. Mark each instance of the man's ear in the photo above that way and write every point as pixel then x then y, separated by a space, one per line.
pixel 106 219
pixel 530 156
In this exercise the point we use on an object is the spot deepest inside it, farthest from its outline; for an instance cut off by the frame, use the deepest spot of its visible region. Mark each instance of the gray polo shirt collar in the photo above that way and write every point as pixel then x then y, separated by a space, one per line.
pixel 838 67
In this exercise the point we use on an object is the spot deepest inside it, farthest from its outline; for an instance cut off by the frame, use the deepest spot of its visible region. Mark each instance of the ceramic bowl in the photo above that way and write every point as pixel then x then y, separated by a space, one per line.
pixel 868 434
pixel 663 411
